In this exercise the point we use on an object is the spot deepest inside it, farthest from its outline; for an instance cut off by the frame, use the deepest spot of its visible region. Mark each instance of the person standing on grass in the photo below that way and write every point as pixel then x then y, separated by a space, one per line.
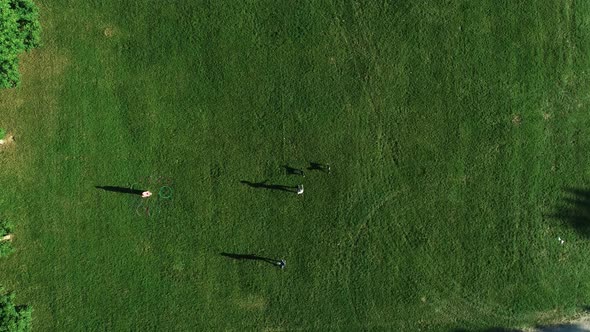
pixel 146 194
pixel 293 171
pixel 300 189
pixel 313 166
pixel 281 263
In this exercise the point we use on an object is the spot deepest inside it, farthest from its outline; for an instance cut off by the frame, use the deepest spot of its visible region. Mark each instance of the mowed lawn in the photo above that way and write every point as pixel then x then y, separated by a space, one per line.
pixel 452 129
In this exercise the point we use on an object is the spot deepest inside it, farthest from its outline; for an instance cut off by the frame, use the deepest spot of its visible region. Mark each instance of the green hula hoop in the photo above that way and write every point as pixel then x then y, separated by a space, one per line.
pixel 165 192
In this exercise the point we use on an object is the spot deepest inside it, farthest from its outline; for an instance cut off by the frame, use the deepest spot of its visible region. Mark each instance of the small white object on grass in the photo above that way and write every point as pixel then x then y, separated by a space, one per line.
pixel 146 194
pixel 560 240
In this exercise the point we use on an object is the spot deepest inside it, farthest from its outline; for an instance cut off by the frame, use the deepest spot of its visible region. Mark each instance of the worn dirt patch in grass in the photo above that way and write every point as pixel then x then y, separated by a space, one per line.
pixel 109 31
pixel 45 63
pixel 516 120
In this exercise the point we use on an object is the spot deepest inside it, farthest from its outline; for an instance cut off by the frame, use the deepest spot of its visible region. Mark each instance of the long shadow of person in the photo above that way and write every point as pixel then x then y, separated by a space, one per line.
pixel 121 190
pixel 255 184
pixel 264 185
pixel 276 262
pixel 319 167
pixel 293 171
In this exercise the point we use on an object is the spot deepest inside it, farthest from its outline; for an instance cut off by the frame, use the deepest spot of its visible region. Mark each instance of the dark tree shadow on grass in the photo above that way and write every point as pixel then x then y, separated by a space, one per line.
pixel 574 210
pixel 562 328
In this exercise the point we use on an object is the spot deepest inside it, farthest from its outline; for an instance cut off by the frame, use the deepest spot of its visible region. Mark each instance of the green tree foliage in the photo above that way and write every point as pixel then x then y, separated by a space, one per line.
pixel 5 246
pixel 13 318
pixel 19 31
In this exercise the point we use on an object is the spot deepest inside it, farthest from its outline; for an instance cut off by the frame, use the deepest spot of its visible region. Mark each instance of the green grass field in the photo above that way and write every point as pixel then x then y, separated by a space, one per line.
pixel 452 129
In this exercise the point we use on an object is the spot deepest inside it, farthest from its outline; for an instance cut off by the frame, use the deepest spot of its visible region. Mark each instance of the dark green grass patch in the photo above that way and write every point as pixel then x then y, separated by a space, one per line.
pixel 452 129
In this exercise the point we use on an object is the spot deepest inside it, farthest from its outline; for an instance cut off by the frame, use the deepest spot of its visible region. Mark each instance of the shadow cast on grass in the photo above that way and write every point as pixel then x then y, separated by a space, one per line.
pixel 264 185
pixel 121 190
pixel 315 166
pixel 562 328
pixel 491 329
pixel 293 171
pixel 251 257
pixel 574 210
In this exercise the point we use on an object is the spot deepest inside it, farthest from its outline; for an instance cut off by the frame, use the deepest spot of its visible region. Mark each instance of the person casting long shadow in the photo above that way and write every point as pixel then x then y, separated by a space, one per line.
pixel 121 190
pixel 264 185
pixel 313 166
pixel 293 171
pixel 277 262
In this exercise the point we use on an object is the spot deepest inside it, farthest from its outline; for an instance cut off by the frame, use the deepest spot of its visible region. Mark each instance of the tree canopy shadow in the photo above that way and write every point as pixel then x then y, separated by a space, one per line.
pixel 562 328
pixel 539 328
pixel 574 210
